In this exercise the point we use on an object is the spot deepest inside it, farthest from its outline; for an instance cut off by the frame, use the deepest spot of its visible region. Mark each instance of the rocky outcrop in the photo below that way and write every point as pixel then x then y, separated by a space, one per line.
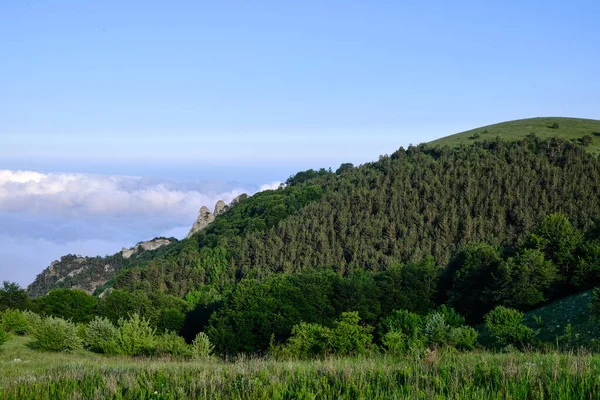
pixel 219 208
pixel 206 217
pixel 144 246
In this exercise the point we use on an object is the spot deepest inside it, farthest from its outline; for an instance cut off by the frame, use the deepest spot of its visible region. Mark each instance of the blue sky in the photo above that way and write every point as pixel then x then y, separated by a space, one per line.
pixel 251 92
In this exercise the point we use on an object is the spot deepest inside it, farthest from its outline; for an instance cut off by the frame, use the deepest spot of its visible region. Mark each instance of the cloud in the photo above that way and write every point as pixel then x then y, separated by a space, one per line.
pixel 46 215
pixel 270 186
pixel 85 194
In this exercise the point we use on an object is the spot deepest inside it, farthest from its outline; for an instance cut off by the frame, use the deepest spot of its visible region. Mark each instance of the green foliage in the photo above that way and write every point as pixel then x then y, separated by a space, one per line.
pixel 56 334
pixel 401 332
pixel 15 321
pixel 530 276
pixel 71 304
pixel 135 336
pixel 170 320
pixel 12 296
pixel 101 336
pixel 33 319
pixel 451 317
pixel 119 303
pixel 202 348
pixel 4 336
pixel 436 330
pixel 476 274
pixel 172 344
pixel 349 337
pixel 307 341
pixel 556 237
pixel 507 328
pixel 463 337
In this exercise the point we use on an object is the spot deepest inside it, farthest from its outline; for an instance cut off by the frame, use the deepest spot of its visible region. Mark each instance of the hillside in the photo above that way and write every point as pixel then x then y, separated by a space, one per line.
pixel 568 129
pixel 420 201
pixel 555 316
pixel 90 273
pixel 417 202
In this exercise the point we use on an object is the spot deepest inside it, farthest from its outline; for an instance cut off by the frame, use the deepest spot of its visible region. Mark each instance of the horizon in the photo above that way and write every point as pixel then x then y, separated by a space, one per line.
pixel 131 115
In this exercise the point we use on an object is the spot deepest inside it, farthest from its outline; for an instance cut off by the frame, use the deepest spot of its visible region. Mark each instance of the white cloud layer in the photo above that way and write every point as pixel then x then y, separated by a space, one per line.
pixel 84 194
pixel 46 215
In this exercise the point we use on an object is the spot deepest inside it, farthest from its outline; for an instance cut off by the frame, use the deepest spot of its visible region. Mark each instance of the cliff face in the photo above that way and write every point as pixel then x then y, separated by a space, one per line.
pixel 88 273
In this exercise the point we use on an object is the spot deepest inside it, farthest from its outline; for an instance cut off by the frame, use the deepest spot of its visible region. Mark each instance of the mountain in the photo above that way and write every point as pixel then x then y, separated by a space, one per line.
pixel 547 127
pixel 427 200
pixel 89 273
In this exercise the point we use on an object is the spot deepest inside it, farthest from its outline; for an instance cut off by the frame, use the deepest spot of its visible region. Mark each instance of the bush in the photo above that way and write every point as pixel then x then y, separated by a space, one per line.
pixel 463 338
pixel 397 343
pixel 3 336
pixel 349 337
pixel 436 330
pixel 307 340
pixel 100 336
pixel 554 125
pixel 452 318
pixel 202 348
pixel 56 334
pixel 507 328
pixel 172 344
pixel 33 320
pixel 171 320
pixel 15 321
pixel 401 331
pixel 135 337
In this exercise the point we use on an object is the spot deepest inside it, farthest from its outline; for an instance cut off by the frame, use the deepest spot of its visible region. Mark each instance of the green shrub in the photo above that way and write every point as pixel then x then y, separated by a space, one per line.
pixel 397 343
pixel 202 348
pixel 172 344
pixel 15 321
pixel 507 328
pixel 463 338
pixel 56 334
pixel 100 336
pixel 349 337
pixel 171 320
pixel 401 331
pixel 436 330
pixel 307 340
pixel 135 337
pixel 4 336
pixel 452 318
pixel 34 320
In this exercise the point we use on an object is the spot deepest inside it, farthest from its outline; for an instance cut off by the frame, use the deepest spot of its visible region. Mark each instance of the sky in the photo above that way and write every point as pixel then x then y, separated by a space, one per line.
pixel 119 119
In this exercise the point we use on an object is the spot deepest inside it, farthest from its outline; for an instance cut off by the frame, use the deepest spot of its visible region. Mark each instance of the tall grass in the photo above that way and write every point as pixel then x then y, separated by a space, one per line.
pixel 432 375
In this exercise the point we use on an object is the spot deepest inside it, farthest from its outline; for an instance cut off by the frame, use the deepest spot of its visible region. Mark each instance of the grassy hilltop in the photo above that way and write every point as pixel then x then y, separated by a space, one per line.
pixel 565 128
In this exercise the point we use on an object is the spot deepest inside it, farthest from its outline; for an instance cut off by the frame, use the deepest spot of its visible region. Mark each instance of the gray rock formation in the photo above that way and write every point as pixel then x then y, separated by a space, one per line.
pixel 144 246
pixel 204 219
pixel 219 207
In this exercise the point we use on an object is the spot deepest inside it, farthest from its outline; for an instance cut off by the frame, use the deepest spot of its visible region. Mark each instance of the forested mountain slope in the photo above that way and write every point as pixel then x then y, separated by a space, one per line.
pixel 425 200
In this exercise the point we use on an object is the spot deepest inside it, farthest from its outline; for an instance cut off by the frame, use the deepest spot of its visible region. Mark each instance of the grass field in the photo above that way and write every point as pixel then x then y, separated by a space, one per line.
pixel 568 128
pixel 27 374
